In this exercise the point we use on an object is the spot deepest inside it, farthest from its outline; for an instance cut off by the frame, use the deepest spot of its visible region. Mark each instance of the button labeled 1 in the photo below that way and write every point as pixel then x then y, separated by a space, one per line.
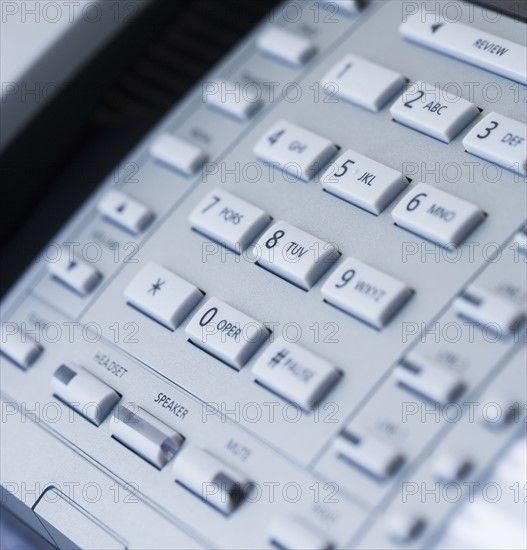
pixel 228 220
pixel 436 215
pixel 433 111
pixel 363 181
pixel 226 333
pixel 499 139
pixel 365 292
pixel 296 150
pixel 294 254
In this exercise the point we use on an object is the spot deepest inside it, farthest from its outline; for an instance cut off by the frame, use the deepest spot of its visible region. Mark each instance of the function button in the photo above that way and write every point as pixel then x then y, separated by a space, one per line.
pixel 126 212
pixel 286 46
pixel 210 479
pixel 19 346
pixel 436 215
pixel 144 434
pixel 226 333
pixel 83 392
pixel 467 43
pixel 365 292
pixel 520 240
pixel 178 154
pixel 451 467
pixel 294 254
pixel 293 532
pixel 433 382
pixel 499 139
pixel 295 373
pixel 404 529
pixel 433 111
pixel 232 99
pixel 489 309
pixel 76 274
pixel 295 150
pixel 231 221
pixel 162 295
pixel 363 181
pixel 362 82
pixel 378 457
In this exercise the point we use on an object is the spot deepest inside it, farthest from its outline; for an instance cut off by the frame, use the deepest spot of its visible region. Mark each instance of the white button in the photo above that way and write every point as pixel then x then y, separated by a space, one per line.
pixel 363 181
pixel 162 295
pixel 501 409
pixel 178 154
pixel 403 528
pixel 232 99
pixel 286 46
pixel 125 212
pixel 365 292
pixel 489 309
pixel 84 393
pixel 423 376
pixel 210 479
pixel 228 220
pixel 436 215
pixel 296 150
pixel 349 7
pixel 295 373
pixel 378 457
pixel 292 532
pixel 18 346
pixel 499 139
pixel 226 333
pixel 520 240
pixel 145 435
pixel 451 467
pixel 78 275
pixel 362 82
pixel 294 254
pixel 469 44
pixel 433 111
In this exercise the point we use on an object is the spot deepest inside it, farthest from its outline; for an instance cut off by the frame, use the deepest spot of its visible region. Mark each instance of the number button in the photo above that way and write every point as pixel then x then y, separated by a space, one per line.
pixel 295 150
pixel 231 221
pixel 436 215
pixel 366 293
pixel 294 254
pixel 501 140
pixel 433 111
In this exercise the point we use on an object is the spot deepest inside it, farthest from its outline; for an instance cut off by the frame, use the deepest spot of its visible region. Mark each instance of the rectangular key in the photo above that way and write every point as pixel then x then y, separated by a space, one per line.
pixel 178 154
pixel 466 42
pixel 18 346
pixel 490 309
pixel 362 82
pixel 499 139
pixel 226 219
pixel 436 215
pixel 210 479
pixel 144 434
pixel 378 457
pixel 365 292
pixel 162 295
pixel 295 150
pixel 76 274
pixel 290 532
pixel 286 46
pixel 83 392
pixel 295 255
pixel 423 376
pixel 232 99
pixel 348 7
pixel 433 111
pixel 363 181
pixel 226 333
pixel 295 373
pixel 125 212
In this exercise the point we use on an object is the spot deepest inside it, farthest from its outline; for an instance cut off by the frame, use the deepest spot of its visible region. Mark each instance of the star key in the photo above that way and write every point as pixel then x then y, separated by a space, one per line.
pixel 156 286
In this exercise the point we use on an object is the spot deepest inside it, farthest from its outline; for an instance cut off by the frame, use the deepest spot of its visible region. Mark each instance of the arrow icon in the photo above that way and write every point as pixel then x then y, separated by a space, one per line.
pixel 436 26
